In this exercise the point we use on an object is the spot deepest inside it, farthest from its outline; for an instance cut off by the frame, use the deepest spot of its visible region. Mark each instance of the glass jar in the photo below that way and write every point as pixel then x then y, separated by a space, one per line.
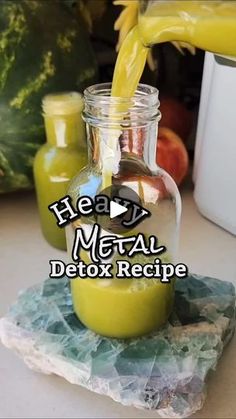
pixel 59 159
pixel 209 25
pixel 122 136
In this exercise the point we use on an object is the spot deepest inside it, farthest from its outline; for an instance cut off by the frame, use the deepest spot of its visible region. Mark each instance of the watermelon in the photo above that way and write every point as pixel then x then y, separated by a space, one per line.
pixel 44 48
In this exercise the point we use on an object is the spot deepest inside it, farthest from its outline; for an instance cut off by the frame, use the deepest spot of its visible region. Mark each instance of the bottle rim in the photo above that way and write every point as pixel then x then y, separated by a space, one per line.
pixel 62 103
pixel 103 109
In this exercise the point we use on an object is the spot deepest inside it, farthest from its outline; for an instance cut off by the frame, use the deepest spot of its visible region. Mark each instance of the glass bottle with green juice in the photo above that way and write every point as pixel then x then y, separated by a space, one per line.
pixel 60 158
pixel 122 136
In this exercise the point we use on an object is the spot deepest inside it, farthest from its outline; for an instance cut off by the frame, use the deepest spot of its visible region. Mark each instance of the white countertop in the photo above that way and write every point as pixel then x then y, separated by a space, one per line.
pixel 24 255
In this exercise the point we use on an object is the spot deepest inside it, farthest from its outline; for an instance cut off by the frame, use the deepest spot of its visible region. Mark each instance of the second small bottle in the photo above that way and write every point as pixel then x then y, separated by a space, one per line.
pixel 59 159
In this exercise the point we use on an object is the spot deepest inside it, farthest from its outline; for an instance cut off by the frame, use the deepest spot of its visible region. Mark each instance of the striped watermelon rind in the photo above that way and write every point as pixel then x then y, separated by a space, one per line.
pixel 44 48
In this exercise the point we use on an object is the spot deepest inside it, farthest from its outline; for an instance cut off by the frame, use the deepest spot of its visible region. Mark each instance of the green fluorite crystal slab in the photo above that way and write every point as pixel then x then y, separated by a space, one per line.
pixel 165 371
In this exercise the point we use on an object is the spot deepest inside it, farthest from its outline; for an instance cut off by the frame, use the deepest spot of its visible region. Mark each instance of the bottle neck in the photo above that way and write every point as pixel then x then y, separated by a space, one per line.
pixel 134 143
pixel 65 130
pixel 121 126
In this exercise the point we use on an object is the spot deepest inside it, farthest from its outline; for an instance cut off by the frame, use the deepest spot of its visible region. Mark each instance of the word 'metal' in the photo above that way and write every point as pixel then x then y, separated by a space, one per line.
pixel 103 247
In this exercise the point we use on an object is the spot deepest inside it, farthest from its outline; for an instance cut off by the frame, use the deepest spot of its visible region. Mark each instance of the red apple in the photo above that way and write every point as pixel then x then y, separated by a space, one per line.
pixel 176 117
pixel 171 154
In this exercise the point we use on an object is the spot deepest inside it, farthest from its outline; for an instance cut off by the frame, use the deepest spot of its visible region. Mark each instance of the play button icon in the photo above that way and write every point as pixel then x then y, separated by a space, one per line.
pixel 116 209
pixel 125 210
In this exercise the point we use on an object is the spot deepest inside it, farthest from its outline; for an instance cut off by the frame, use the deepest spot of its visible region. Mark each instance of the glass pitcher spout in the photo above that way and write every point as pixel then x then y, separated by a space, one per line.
pixel 209 25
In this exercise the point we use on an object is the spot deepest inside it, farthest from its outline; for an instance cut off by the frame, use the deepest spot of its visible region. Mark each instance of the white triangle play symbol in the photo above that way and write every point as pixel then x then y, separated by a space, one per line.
pixel 116 209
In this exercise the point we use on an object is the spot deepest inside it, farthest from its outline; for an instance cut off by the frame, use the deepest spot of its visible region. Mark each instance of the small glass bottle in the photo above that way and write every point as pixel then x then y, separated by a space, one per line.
pixel 122 136
pixel 60 158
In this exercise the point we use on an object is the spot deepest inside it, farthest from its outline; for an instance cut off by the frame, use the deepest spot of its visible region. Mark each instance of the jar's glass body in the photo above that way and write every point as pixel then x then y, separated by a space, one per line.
pixel 126 307
pixel 209 25
pixel 59 159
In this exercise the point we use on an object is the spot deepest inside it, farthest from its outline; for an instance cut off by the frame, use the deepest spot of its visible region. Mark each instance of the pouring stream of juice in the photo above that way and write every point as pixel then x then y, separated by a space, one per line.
pixel 209 25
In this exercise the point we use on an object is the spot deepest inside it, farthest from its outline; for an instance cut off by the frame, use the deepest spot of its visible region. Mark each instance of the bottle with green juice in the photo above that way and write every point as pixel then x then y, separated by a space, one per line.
pixel 122 136
pixel 60 158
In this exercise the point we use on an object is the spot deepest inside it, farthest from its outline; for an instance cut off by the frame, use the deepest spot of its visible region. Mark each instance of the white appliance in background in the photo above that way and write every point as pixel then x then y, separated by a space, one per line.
pixel 215 153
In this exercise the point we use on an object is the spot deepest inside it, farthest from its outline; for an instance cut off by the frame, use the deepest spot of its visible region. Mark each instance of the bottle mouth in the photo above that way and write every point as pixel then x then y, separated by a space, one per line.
pixel 62 103
pixel 139 110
